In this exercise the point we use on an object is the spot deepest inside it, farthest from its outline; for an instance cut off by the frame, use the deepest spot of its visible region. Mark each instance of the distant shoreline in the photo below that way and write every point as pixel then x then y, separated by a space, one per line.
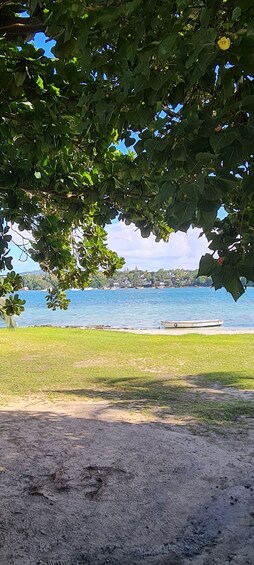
pixel 121 288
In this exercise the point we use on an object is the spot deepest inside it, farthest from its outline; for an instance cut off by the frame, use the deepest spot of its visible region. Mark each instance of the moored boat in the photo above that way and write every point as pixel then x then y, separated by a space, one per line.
pixel 192 323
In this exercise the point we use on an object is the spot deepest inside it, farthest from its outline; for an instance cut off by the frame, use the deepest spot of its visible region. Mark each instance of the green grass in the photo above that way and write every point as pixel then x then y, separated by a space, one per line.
pixel 199 377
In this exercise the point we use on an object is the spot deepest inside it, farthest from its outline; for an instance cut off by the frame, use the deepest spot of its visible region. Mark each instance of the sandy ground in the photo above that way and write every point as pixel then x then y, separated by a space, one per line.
pixel 182 331
pixel 83 483
pixel 171 331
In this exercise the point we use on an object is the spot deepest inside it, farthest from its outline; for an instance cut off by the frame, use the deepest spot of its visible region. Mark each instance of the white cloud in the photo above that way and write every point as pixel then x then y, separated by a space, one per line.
pixel 182 250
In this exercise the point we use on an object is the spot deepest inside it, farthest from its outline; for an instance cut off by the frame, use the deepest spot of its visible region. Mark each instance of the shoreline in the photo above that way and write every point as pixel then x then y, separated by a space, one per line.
pixel 153 331
pixel 185 331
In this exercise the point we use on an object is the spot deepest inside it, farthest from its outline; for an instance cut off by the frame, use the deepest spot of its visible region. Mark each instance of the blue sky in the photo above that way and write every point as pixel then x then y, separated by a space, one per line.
pixel 41 41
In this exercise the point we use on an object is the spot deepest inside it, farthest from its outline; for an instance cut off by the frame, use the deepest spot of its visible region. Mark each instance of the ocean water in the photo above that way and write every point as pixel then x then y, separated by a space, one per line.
pixel 140 308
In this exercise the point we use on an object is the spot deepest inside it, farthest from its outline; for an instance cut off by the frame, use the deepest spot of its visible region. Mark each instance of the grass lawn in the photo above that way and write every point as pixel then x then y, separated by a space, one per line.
pixel 195 376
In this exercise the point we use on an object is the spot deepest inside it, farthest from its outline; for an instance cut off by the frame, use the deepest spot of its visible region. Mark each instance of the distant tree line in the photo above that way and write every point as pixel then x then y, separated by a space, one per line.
pixel 135 278
pixel 37 281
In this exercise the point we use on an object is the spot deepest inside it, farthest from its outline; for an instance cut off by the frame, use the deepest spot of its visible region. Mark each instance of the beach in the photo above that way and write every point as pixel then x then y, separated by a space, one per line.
pixel 183 331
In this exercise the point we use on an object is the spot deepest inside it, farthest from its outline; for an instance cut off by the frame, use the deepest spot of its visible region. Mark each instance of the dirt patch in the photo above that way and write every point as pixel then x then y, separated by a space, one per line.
pixel 85 483
pixel 100 361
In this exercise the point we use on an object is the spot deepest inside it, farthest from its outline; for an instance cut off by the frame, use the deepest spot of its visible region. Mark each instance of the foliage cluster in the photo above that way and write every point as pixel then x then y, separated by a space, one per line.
pixel 173 80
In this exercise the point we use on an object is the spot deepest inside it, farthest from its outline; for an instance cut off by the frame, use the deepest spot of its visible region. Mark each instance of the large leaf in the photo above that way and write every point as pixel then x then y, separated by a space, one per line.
pixel 8 320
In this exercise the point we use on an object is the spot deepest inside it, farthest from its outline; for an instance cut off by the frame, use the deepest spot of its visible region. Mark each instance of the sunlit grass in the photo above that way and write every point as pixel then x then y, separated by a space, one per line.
pixel 194 376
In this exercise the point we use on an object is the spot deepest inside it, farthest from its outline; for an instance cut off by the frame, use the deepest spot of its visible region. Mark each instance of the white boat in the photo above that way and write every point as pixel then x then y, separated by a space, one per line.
pixel 192 324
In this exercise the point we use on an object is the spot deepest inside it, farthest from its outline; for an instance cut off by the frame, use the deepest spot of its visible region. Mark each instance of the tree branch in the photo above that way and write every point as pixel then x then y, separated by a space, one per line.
pixel 170 112
pixel 6 3
pixel 22 26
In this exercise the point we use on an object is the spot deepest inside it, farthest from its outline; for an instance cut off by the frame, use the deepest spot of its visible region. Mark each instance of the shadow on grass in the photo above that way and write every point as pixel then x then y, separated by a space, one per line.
pixel 218 380
pixel 215 405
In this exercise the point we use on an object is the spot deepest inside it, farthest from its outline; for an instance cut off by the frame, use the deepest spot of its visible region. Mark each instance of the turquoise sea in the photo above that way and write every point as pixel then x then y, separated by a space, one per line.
pixel 140 308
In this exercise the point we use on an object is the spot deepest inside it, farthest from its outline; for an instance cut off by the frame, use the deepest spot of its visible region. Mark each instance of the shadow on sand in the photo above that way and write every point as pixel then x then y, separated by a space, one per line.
pixel 80 488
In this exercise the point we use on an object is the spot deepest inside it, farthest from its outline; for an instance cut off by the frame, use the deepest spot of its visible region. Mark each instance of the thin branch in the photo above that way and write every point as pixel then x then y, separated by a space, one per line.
pixel 170 112
pixel 19 26
pixel 6 3
pixel 9 115
pixel 23 252
pixel 24 28
pixel 20 235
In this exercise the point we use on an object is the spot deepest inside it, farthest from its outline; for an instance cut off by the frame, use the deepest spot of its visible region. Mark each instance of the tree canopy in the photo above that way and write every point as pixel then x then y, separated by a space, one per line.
pixel 172 80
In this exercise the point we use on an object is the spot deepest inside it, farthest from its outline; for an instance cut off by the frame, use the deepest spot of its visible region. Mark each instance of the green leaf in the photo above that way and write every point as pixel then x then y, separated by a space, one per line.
pixel 250 28
pixel 248 185
pixel 20 77
pixel 139 147
pixel 205 158
pixel 180 213
pixel 205 17
pixel 207 218
pixel 132 6
pixel 145 232
pixel 233 156
pixel 39 82
pixel 207 265
pixel 236 13
pixel 167 44
pixel 222 139
pixel 135 174
pixel 248 103
pixel 167 190
pixel 205 58
pixel 8 263
pixel 130 141
pixel 231 281
pixel 179 153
